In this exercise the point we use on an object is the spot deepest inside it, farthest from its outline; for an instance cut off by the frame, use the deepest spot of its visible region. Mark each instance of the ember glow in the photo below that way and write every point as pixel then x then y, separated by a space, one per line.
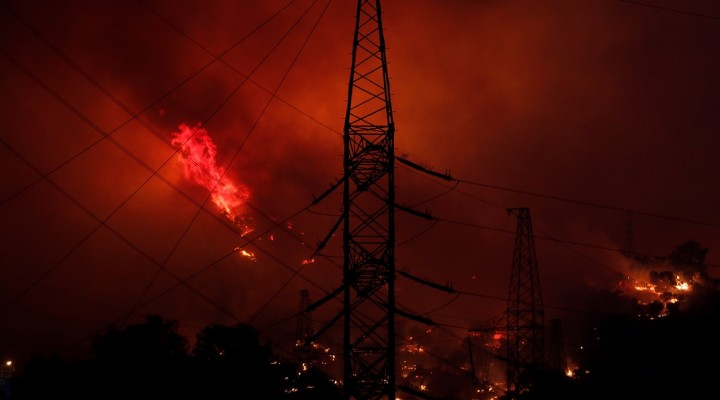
pixel 672 280
pixel 660 287
pixel 245 253
pixel 199 160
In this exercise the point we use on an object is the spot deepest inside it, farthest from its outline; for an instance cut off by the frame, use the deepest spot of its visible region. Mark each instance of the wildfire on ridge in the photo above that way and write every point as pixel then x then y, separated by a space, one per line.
pixel 658 282
pixel 199 161
pixel 662 288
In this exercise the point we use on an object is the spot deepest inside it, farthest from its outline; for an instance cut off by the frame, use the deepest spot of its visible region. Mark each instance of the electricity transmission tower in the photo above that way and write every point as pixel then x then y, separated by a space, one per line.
pixel 525 314
pixel 368 212
pixel 303 348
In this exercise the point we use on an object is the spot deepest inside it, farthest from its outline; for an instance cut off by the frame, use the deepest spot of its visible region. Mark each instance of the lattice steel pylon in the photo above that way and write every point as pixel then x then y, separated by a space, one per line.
pixel 525 314
pixel 368 212
pixel 304 329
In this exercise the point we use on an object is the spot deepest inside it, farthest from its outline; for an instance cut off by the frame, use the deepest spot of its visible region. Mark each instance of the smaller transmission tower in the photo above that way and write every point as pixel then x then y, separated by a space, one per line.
pixel 556 352
pixel 525 314
pixel 304 350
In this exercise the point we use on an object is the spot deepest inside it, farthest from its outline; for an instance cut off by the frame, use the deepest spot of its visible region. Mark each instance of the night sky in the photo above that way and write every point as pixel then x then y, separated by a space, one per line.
pixel 597 101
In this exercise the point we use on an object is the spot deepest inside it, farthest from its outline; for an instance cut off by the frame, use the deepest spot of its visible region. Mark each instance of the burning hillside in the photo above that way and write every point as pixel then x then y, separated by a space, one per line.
pixel 661 284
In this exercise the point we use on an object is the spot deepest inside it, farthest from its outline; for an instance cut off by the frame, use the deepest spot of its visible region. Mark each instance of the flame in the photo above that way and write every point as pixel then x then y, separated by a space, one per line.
pixel 247 254
pixel 682 286
pixel 309 261
pixel 661 287
pixel 199 160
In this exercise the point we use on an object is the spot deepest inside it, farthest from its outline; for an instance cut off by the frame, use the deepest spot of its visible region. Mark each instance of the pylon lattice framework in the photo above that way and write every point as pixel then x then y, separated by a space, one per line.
pixel 525 314
pixel 369 232
pixel 304 322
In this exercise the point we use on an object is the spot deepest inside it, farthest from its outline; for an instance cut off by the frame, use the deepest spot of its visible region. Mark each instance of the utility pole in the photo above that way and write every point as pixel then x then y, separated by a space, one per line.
pixel 368 213
pixel 525 314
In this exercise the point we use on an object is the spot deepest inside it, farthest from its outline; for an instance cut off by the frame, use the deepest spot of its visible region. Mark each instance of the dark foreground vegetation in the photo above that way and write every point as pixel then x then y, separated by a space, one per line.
pixel 151 360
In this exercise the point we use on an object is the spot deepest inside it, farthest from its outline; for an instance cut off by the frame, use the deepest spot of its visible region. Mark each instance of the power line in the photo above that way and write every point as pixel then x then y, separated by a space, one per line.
pixel 57 187
pixel 84 74
pixel 505 299
pixel 549 197
pixel 519 191
pixel 590 204
pixel 445 192
pixel 674 10
pixel 113 231
pixel 209 52
pixel 563 241
pixel 247 136
pixel 88 121
pixel 107 93
pixel 497 187
pixel 273 95
pixel 270 300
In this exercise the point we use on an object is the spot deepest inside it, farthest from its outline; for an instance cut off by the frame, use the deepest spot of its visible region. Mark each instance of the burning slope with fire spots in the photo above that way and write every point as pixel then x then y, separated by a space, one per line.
pixel 661 284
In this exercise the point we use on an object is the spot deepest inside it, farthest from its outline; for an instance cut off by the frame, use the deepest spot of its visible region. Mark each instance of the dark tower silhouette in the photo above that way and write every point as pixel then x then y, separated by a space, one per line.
pixel 305 350
pixel 369 228
pixel 525 325
pixel 304 322
pixel 556 350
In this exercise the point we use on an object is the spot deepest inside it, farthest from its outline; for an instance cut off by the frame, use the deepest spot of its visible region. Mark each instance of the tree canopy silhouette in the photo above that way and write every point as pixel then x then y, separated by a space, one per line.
pixel 152 360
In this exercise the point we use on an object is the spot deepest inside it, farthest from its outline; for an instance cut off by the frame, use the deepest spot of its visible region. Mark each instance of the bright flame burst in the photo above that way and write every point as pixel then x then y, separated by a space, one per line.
pixel 199 160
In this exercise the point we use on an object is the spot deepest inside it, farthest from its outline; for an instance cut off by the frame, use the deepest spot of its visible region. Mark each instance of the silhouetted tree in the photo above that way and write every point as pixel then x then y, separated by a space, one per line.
pixel 151 360
pixel 232 362
pixel 689 256
pixel 145 359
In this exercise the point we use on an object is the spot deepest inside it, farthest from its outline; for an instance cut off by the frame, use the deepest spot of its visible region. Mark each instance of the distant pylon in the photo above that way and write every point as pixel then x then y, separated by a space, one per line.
pixel 556 352
pixel 304 321
pixel 368 213
pixel 525 314
pixel 305 350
